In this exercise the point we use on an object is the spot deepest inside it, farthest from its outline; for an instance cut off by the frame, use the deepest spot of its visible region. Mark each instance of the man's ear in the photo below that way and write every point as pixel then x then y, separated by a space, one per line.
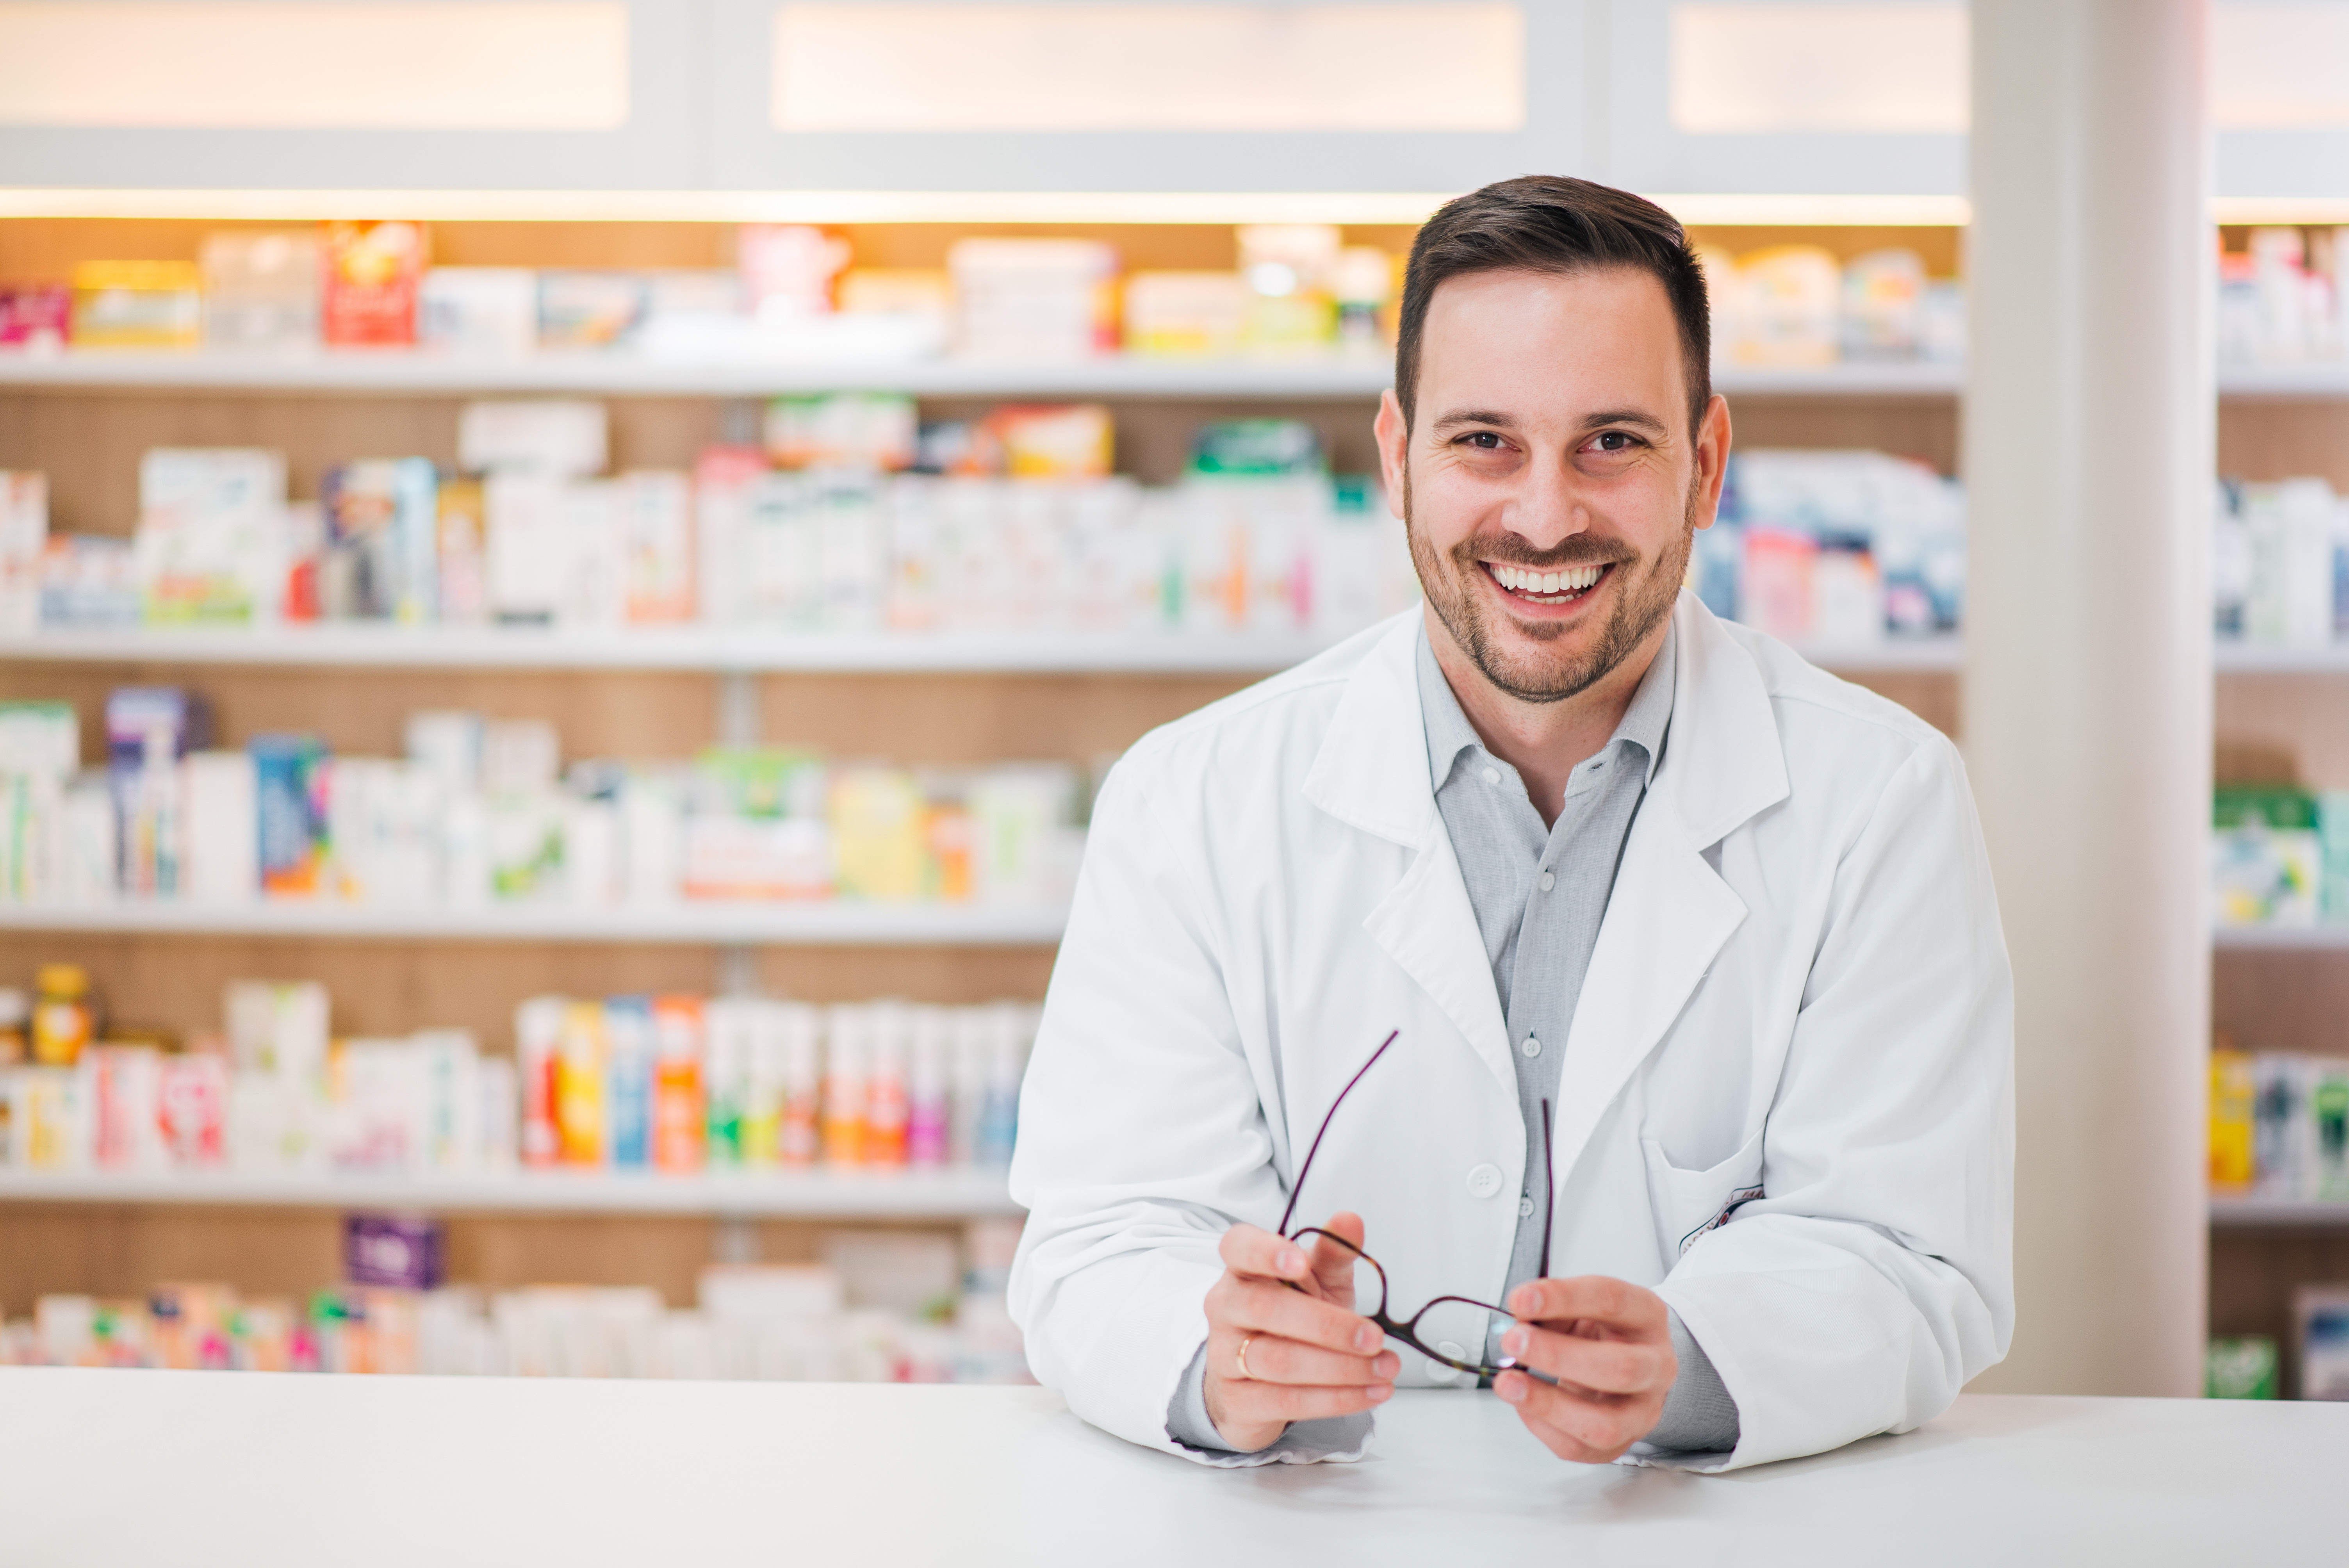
pixel 1395 451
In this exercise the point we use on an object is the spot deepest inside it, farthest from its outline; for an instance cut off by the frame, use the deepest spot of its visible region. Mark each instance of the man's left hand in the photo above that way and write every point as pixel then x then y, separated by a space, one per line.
pixel 1608 1345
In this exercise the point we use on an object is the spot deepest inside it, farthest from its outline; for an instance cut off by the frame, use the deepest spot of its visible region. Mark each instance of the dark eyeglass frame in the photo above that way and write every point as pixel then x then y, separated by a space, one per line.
pixel 1407 1329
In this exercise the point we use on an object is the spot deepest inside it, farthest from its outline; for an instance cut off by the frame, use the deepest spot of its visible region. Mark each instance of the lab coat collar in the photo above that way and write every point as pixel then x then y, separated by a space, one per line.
pixel 1670 911
pixel 1723 762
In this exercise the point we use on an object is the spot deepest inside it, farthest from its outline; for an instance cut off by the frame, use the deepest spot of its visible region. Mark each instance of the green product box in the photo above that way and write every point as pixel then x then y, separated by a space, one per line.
pixel 2333 845
pixel 2239 1369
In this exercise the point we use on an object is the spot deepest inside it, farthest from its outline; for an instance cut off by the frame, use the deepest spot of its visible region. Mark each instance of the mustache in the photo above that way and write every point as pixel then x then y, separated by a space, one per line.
pixel 1508 550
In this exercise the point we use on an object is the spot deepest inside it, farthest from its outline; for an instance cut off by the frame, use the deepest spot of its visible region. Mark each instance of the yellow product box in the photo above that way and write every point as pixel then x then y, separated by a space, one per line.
pixel 878 818
pixel 1185 315
pixel 579 1085
pixel 2233 1093
pixel 138 305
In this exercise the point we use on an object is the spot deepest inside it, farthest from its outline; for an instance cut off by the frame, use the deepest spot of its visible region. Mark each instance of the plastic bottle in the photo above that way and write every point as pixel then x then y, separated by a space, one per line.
pixel 65 1017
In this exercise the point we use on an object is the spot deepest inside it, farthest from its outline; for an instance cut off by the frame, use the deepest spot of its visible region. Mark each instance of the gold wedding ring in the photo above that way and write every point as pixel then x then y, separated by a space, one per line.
pixel 1242 1355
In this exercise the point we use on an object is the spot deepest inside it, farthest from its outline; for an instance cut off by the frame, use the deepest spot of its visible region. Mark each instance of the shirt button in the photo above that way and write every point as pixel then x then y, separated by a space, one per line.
pixel 1532 1047
pixel 1483 1182
pixel 1547 882
pixel 1437 1372
pixel 1525 1208
pixel 1492 775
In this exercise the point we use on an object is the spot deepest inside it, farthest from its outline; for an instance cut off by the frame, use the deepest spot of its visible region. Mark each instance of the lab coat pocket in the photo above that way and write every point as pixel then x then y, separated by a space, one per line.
pixel 1688 1203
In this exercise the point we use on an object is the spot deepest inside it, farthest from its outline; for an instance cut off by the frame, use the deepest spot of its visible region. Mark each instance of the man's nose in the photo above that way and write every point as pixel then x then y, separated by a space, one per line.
pixel 1548 507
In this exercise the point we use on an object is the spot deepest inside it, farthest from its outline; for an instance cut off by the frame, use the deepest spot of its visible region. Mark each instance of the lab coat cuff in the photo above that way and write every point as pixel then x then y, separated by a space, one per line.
pixel 1340 1440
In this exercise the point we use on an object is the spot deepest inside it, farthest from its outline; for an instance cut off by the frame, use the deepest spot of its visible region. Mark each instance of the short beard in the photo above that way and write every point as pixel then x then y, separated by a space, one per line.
pixel 1648 595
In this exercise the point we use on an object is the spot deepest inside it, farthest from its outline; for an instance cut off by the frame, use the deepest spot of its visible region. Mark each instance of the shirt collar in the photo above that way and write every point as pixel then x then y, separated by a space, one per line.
pixel 1644 723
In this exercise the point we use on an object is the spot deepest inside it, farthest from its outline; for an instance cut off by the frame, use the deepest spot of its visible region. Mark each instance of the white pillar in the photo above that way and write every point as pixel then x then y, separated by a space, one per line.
pixel 2088 452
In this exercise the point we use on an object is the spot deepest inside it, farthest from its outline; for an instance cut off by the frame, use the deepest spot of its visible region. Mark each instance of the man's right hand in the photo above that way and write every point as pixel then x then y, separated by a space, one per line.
pixel 1309 1353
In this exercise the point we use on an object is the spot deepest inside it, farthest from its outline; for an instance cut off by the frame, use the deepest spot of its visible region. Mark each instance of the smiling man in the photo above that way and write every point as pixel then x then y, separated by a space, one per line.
pixel 1553 989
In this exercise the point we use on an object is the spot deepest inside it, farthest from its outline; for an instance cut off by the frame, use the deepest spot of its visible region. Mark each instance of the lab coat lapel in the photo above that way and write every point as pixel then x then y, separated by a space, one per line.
pixel 1371 773
pixel 1671 912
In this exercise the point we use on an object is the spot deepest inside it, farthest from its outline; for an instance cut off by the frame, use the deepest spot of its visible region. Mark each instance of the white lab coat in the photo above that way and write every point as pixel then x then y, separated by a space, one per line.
pixel 1798 1014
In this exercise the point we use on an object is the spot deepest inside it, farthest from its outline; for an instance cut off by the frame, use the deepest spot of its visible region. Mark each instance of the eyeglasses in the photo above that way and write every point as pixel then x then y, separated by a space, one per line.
pixel 1407 1329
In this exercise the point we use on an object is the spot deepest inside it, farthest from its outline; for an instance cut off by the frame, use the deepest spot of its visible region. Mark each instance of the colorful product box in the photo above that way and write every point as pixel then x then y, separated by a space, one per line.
pixel 138 305
pixel 211 541
pixel 383 523
pixel 373 272
pixel 394 1252
pixel 289 786
pixel 36 315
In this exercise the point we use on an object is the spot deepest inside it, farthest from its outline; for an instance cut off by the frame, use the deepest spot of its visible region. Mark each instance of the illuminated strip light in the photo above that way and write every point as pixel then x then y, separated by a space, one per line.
pixel 736 206
pixel 2314 210
pixel 841 207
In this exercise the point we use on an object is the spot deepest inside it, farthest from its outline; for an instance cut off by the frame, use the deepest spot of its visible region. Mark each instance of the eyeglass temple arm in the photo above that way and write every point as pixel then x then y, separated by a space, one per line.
pixel 1297 1186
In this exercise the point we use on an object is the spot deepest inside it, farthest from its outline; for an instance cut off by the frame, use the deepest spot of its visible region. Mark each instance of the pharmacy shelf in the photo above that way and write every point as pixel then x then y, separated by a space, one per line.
pixel 714 648
pixel 707 648
pixel 2232 1211
pixel 2281 938
pixel 815 923
pixel 2274 659
pixel 2323 379
pixel 621 374
pixel 818 1194
pixel 1859 378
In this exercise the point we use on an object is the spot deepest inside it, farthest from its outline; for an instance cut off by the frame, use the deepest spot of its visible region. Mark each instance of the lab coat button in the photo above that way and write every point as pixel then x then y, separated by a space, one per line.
pixel 1437 1371
pixel 1483 1182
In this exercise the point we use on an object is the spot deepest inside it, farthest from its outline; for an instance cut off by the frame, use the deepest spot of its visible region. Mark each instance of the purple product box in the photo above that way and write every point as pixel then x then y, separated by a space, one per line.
pixel 405 1251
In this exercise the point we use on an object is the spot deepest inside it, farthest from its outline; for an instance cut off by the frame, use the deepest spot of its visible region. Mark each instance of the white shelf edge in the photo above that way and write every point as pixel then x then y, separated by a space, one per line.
pixel 813 923
pixel 2233 658
pixel 2231 1212
pixel 959 1192
pixel 2281 938
pixel 421 372
pixel 619 373
pixel 417 373
pixel 688 648
pixel 727 649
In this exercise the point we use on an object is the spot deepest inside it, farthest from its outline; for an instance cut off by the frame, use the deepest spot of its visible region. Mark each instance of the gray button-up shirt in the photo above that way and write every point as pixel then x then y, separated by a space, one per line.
pixel 1540 894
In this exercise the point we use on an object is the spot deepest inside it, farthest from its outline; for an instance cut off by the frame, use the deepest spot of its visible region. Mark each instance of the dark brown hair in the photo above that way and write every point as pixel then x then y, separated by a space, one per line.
pixel 1546 223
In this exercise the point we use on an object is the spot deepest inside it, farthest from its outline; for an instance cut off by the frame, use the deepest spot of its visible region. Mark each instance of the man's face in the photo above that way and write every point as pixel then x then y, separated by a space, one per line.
pixel 1550 483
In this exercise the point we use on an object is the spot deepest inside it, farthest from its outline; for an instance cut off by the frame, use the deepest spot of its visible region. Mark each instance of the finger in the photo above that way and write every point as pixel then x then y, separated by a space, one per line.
pixel 1587 1429
pixel 1247 1250
pixel 1595 1304
pixel 1600 1366
pixel 1252 1403
pixel 1333 1266
pixel 1260 1307
pixel 1272 1359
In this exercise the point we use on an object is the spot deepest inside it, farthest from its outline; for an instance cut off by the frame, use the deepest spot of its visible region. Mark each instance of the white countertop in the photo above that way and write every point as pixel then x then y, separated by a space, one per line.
pixel 197 1469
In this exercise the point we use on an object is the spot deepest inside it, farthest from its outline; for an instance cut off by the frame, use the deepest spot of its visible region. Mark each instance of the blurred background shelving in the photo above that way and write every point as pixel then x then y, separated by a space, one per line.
pixel 703 140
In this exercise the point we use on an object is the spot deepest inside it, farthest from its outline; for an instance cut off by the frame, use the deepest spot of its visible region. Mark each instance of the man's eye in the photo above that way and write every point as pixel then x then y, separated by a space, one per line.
pixel 1614 441
pixel 1485 440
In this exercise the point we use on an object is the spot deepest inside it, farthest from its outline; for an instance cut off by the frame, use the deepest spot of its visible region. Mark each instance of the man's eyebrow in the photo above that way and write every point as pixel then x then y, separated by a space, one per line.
pixel 1459 416
pixel 1625 417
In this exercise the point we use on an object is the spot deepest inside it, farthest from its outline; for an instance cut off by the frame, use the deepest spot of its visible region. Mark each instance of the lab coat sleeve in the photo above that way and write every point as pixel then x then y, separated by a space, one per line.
pixel 1874 1276
pixel 1141 1136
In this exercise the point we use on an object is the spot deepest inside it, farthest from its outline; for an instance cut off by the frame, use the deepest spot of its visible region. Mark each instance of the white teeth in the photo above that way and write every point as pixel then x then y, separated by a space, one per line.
pixel 1517 579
